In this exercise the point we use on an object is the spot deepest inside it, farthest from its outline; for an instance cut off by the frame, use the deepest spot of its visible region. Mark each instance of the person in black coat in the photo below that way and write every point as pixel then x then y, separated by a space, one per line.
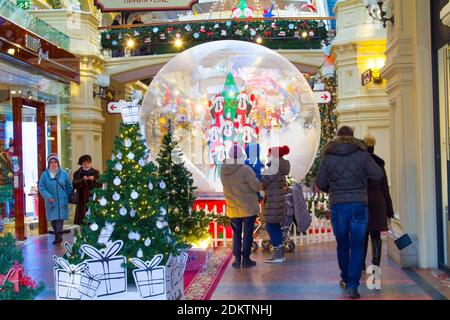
pixel 84 180
pixel 380 206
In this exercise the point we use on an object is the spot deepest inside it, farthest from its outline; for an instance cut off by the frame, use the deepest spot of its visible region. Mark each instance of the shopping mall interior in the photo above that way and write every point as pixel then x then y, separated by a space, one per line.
pixel 131 82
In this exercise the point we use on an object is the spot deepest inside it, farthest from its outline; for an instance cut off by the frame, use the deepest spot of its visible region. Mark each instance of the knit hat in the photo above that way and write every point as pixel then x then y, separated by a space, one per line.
pixel 279 151
pixel 236 152
pixel 52 156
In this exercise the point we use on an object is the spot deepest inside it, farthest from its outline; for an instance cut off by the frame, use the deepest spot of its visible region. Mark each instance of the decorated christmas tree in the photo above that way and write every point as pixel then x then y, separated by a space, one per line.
pixel 131 206
pixel 189 226
pixel 328 120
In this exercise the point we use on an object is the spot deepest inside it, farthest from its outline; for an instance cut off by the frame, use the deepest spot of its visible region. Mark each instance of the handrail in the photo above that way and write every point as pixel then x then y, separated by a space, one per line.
pixel 178 22
pixel 33 24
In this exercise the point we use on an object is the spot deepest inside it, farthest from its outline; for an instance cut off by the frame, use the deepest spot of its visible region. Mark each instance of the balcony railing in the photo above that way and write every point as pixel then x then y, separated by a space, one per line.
pixel 21 17
pixel 151 39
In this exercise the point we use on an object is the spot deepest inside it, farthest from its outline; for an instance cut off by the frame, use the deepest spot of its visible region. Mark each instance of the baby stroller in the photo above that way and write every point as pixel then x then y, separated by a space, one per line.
pixel 260 235
pixel 295 207
pixel 262 238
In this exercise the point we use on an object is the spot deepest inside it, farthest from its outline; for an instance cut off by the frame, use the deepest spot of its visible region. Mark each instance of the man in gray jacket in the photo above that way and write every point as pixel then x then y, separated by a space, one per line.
pixel 345 173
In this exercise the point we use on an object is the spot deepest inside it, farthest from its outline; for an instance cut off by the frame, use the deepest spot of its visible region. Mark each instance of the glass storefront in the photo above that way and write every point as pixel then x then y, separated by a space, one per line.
pixel 18 81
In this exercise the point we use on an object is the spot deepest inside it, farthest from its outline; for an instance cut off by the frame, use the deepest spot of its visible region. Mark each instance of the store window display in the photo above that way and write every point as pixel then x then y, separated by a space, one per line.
pixel 54 95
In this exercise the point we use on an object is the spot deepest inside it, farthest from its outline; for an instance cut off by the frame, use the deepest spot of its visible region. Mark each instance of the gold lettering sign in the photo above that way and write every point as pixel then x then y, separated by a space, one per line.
pixel 144 5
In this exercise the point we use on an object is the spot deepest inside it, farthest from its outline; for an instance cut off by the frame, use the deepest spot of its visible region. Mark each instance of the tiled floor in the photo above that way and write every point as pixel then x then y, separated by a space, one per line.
pixel 311 272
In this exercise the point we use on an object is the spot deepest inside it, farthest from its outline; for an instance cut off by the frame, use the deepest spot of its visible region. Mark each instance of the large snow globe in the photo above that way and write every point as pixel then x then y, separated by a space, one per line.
pixel 229 92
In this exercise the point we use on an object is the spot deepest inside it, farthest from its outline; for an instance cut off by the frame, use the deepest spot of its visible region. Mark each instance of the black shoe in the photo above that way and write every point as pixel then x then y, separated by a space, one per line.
pixel 353 293
pixel 236 264
pixel 342 284
pixel 58 240
pixel 248 263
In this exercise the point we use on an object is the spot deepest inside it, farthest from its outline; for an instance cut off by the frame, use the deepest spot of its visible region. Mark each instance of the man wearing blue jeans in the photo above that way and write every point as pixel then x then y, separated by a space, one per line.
pixel 346 171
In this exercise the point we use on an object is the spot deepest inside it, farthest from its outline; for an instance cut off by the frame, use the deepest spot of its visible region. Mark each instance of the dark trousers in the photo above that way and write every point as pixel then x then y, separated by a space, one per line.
pixel 58 226
pixel 274 231
pixel 242 244
pixel 349 221
pixel 375 237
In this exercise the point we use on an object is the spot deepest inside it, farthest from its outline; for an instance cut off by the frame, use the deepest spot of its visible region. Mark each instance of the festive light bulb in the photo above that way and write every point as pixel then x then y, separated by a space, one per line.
pixel 130 43
pixel 178 43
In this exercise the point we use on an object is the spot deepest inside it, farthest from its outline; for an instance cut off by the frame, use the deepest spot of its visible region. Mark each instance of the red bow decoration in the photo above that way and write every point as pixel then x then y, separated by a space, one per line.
pixel 210 34
pixel 169 29
pixel 15 275
pixel 267 33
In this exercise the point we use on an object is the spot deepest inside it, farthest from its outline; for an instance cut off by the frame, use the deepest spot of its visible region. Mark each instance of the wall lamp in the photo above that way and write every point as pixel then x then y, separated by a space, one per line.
pixel 102 82
pixel 373 72
pixel 376 11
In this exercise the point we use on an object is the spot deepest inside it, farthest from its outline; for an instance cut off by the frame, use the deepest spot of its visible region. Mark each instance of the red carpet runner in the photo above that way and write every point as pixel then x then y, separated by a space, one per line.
pixel 201 285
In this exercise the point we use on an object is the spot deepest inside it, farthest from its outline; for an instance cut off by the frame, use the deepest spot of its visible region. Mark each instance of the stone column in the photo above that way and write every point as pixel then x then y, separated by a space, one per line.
pixel 359 43
pixel 87 117
pixel 409 77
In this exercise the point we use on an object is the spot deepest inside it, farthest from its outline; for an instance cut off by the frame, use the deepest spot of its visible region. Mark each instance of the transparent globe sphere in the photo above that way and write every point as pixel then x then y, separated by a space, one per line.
pixel 231 92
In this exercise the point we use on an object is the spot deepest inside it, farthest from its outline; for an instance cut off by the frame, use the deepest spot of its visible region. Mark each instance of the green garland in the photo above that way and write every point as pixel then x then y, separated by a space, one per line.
pixel 328 122
pixel 281 34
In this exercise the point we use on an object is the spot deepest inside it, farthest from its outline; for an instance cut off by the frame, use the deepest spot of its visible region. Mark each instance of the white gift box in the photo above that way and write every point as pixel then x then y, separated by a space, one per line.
pixel 160 282
pixel 176 268
pixel 150 278
pixel 112 268
pixel 130 111
pixel 89 283
pixel 67 279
